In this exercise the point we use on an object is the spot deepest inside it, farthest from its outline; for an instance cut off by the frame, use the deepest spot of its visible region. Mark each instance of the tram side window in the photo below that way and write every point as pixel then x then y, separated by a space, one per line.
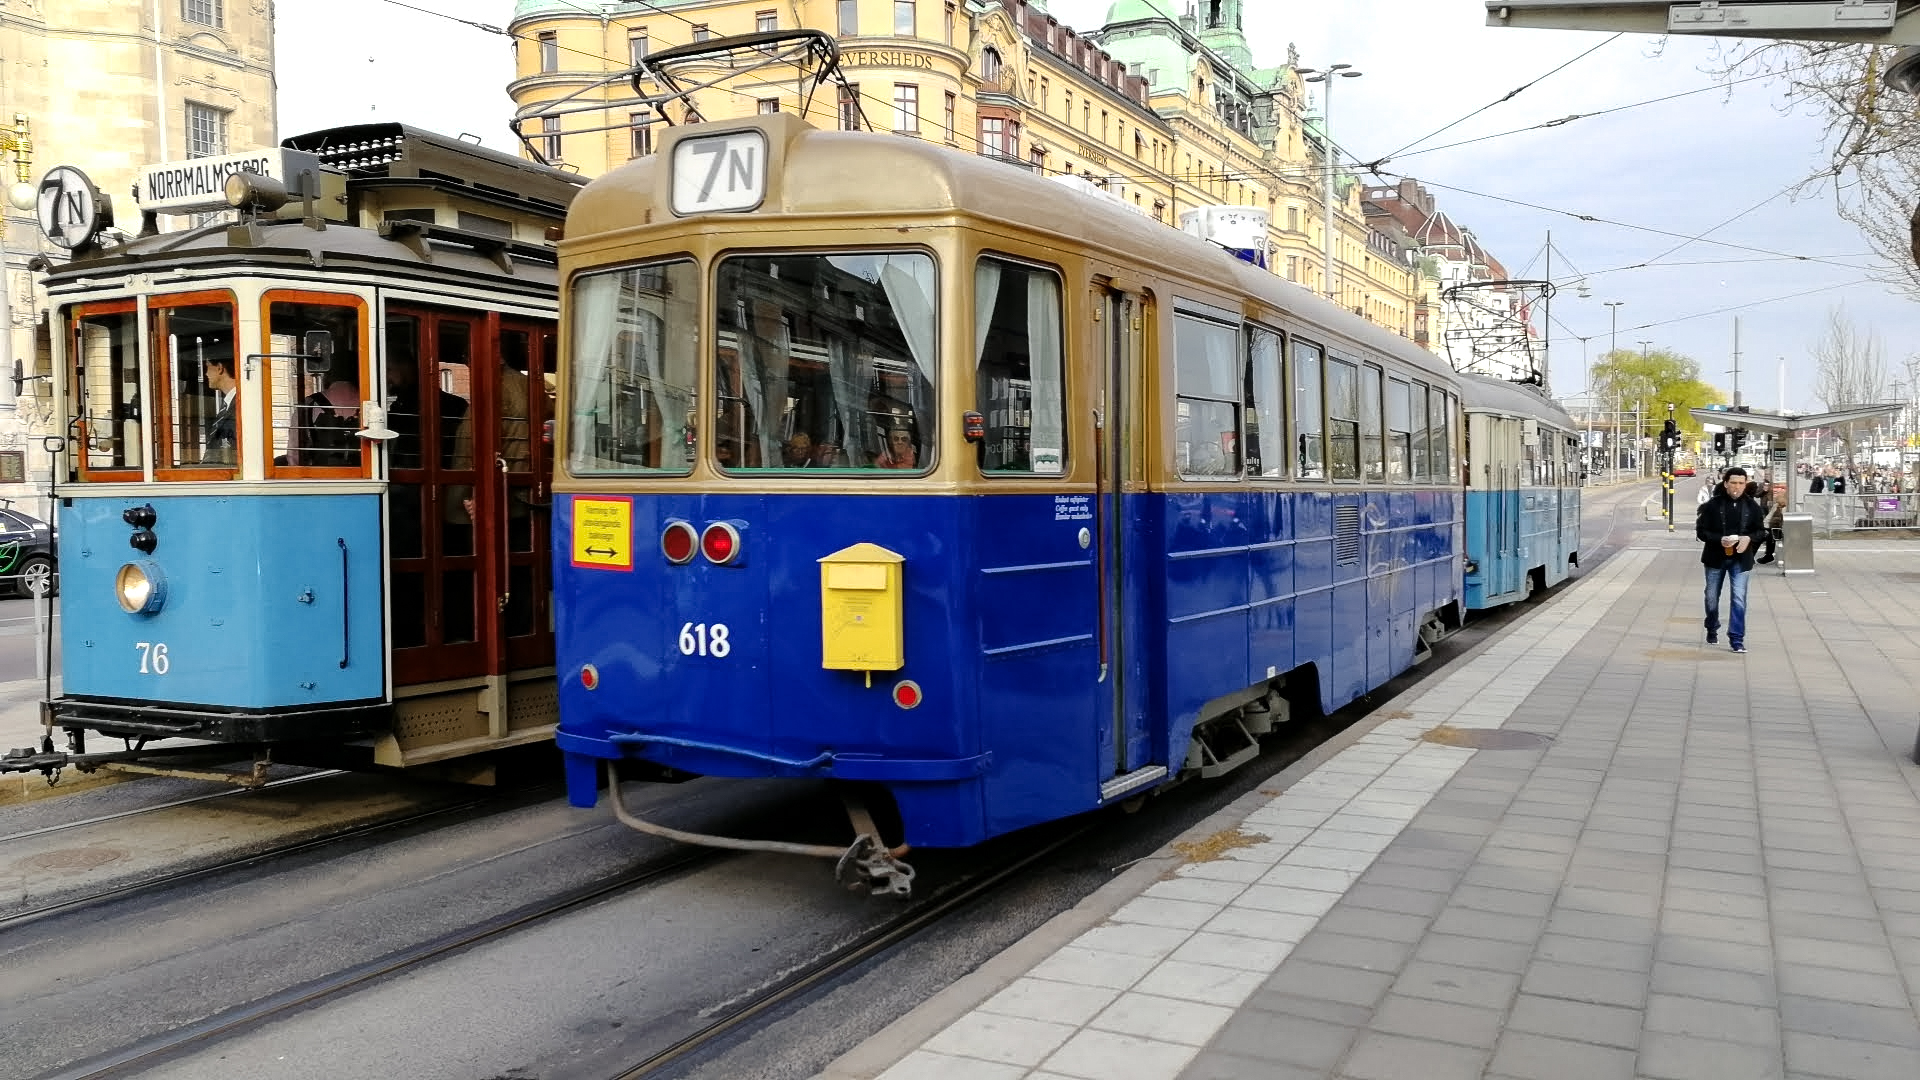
pixel 1343 420
pixel 1373 466
pixel 1210 388
pixel 1399 431
pixel 634 369
pixel 1018 378
pixel 1439 434
pixel 826 361
pixel 197 375
pixel 313 381
pixel 1267 403
pixel 1422 430
pixel 106 352
pixel 1309 419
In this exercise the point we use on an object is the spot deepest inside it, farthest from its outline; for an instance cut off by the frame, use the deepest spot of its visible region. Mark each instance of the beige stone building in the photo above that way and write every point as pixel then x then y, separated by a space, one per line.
pixel 1167 114
pixel 108 86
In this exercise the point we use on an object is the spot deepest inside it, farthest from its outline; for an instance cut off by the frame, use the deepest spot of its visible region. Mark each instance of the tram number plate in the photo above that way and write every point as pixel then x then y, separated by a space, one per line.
pixel 153 657
pixel 702 639
pixel 716 173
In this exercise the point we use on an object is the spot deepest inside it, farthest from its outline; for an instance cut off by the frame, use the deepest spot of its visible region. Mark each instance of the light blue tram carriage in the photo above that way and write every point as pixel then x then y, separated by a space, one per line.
pixel 1523 492
pixel 303 508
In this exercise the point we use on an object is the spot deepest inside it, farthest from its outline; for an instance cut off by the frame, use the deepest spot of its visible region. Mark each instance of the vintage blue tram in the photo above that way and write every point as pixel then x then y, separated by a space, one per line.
pixel 303 506
pixel 1523 492
pixel 891 464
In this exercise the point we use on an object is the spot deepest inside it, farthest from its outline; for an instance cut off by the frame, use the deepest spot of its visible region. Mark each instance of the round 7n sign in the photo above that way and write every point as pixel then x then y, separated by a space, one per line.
pixel 719 172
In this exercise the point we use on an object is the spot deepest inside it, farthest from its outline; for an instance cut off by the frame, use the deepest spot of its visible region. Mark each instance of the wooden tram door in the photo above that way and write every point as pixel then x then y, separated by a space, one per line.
pixel 468 537
pixel 1126 741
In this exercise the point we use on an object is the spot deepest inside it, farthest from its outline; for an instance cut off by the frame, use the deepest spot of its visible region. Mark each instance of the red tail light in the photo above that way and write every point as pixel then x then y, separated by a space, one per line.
pixel 678 543
pixel 720 543
pixel 906 693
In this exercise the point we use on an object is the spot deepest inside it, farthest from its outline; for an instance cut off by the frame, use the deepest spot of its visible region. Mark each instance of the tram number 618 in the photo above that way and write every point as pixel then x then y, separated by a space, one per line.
pixel 153 657
pixel 700 639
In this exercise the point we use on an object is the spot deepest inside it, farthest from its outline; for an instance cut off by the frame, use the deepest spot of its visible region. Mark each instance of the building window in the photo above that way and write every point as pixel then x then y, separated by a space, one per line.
pixel 205 12
pixel 1044 94
pixel 642 134
pixel 206 130
pixel 993 136
pixel 1104 128
pixel 550 139
pixel 1038 158
pixel 636 47
pixel 769 106
pixel 549 51
pixel 990 65
pixel 906 107
pixel 950 12
pixel 1086 115
pixel 903 21
pixel 953 105
pixel 700 32
pixel 849 13
pixel 766 22
pixel 850 108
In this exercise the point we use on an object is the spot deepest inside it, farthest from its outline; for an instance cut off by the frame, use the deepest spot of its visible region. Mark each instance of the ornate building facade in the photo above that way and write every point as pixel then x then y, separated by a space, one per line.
pixel 109 86
pixel 1169 115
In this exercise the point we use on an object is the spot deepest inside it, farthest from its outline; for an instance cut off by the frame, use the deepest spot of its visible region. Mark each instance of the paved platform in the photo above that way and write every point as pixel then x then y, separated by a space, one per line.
pixel 1667 862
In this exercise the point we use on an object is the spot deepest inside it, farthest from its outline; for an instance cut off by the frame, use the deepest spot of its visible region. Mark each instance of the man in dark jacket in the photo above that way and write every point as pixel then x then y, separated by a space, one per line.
pixel 1728 527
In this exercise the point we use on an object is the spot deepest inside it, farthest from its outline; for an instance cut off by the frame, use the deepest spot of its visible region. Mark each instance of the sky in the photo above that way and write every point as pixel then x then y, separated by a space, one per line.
pixel 1653 175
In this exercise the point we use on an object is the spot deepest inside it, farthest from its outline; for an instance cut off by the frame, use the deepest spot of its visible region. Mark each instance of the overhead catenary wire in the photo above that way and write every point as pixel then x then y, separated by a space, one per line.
pixel 1510 95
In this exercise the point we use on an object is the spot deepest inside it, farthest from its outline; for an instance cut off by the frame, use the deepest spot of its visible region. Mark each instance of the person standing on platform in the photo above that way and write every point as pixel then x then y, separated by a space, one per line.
pixel 1728 527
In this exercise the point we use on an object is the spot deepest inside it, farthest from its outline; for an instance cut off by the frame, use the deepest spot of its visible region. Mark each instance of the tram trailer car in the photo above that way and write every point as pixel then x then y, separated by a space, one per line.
pixel 1523 492
pixel 257 552
pixel 893 464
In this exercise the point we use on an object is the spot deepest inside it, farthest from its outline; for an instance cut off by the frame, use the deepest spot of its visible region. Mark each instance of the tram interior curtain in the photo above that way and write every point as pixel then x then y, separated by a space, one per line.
pixel 595 322
pixel 759 393
pixel 846 401
pixel 908 281
pixel 986 296
pixel 1043 366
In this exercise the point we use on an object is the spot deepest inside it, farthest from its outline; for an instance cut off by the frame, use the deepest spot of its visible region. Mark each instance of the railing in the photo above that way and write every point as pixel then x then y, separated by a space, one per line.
pixel 1845 513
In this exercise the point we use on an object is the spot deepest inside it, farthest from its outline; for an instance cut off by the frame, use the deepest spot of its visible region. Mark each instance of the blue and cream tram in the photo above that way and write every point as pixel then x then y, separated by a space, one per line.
pixel 303 506
pixel 881 462
pixel 1523 492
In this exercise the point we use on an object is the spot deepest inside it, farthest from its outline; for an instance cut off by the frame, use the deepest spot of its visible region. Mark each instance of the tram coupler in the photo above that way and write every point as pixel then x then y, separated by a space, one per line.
pixel 869 864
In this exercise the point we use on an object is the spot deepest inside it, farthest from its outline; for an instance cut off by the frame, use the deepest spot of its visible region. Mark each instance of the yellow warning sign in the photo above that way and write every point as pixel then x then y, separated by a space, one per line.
pixel 603 532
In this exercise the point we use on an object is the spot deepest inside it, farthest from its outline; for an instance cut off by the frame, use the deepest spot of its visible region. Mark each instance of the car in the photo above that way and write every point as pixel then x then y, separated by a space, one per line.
pixel 1683 470
pixel 28 566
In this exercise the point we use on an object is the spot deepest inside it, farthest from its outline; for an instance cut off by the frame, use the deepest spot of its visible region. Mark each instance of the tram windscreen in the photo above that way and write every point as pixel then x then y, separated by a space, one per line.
pixel 825 361
pixel 634 369
pixel 106 353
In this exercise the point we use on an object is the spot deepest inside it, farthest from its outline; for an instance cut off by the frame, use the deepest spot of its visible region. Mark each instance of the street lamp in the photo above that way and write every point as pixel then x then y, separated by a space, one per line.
pixel 1315 75
pixel 21 195
pixel 1613 384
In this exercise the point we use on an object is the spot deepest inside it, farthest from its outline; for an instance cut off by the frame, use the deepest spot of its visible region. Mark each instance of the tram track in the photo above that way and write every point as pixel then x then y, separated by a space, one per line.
pixel 124 815
pixel 168 881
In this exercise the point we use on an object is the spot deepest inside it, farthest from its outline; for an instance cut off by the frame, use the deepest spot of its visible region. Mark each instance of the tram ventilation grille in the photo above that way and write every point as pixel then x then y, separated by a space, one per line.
pixel 1346 535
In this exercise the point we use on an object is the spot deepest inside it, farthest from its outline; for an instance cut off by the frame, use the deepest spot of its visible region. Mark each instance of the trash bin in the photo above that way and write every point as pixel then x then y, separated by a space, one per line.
pixel 1796 543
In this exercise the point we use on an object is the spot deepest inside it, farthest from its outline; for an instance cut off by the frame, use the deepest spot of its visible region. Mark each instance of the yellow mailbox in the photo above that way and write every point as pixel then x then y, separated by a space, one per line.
pixel 860 610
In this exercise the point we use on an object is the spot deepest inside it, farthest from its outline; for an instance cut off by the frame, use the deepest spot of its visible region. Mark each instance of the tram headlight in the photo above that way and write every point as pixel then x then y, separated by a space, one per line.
pixel 140 588
pixel 251 191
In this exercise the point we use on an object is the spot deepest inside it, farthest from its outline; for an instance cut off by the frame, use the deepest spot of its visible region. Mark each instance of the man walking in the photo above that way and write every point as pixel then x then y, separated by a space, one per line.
pixel 1728 527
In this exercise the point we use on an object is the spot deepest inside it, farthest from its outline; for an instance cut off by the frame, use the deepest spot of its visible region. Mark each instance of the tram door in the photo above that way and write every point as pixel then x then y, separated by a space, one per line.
pixel 1120 440
pixel 468 498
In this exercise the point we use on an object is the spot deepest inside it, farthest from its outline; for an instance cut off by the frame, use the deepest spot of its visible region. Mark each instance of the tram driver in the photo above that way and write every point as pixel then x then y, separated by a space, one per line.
pixel 220 431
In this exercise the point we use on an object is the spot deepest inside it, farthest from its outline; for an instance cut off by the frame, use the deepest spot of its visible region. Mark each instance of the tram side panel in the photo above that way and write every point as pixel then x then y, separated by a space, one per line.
pixel 259 603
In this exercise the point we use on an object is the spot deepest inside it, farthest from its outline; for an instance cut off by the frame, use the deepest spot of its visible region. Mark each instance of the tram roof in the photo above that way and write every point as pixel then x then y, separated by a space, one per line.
pixel 371 152
pixel 1499 395
pixel 817 172
pixel 413 253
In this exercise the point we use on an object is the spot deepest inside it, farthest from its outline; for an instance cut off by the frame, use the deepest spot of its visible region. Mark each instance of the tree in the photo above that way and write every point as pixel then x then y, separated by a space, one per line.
pixel 1850 368
pixel 1649 382
pixel 1872 142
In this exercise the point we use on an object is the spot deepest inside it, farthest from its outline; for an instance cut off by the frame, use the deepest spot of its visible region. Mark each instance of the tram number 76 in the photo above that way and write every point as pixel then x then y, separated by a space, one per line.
pixel 699 639
pixel 153 657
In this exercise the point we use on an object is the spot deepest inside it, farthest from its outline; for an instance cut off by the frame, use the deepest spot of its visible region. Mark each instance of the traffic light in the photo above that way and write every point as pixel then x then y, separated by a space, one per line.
pixel 1719 442
pixel 1739 439
pixel 1669 437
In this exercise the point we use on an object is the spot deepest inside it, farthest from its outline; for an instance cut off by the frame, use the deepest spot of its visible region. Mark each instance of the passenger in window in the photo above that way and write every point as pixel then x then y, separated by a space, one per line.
pixel 403 411
pixel 900 452
pixel 220 431
pixel 827 456
pixel 798 451
pixel 727 452
pixel 327 422
pixel 516 436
